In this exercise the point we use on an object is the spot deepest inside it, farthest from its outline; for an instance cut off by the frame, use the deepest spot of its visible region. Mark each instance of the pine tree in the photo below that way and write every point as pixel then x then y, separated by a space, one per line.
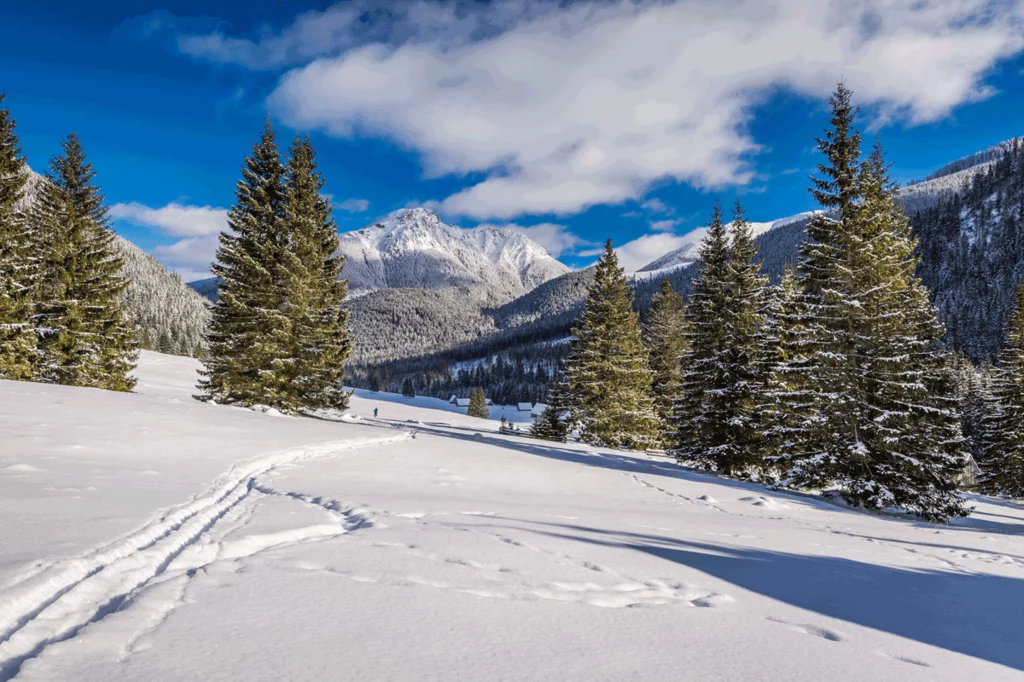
pixel 83 336
pixel 912 451
pixel 723 383
pixel 550 424
pixel 250 334
pixel 19 358
pixel 407 388
pixel 663 335
pixel 478 404
pixel 607 373
pixel 1003 462
pixel 791 409
pixel 830 299
pixel 696 426
pixel 320 342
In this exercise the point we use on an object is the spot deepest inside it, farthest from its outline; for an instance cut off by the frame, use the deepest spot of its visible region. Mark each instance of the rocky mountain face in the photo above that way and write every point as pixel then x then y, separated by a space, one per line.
pixel 413 248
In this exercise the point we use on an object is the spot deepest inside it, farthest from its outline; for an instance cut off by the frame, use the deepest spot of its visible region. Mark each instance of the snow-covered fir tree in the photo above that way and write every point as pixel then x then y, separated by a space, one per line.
pixel 320 342
pixel 1002 463
pixel 248 358
pixel 790 410
pixel 663 335
pixel 890 434
pixel 19 357
pixel 722 386
pixel 83 335
pixel 407 388
pixel 478 404
pixel 551 424
pixel 608 377
pixel 696 428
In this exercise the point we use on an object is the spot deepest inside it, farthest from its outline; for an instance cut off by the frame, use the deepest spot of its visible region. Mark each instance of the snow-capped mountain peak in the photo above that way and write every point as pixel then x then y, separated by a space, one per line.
pixel 413 247
pixel 690 250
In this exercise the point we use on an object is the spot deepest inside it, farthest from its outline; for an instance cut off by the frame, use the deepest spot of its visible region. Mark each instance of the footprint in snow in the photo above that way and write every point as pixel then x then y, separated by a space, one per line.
pixel 809 629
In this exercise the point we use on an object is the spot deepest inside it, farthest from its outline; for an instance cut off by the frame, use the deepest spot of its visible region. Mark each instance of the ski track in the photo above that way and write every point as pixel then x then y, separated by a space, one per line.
pixel 55 601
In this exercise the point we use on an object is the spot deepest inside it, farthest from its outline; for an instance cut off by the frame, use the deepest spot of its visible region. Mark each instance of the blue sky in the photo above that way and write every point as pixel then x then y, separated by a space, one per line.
pixel 574 121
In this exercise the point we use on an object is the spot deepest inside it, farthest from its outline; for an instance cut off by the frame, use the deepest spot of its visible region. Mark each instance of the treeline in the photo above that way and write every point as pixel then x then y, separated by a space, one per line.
pixel 520 375
pixel 61 317
pixel 836 378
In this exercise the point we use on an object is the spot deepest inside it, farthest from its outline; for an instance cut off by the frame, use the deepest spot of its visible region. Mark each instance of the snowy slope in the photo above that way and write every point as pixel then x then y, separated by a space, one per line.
pixel 689 252
pixel 151 537
pixel 413 248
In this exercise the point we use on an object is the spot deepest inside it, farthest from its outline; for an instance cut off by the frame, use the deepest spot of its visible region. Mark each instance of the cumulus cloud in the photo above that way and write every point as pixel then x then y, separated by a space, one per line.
pixel 664 225
pixel 198 226
pixel 189 257
pixel 174 219
pixel 347 25
pixel 353 205
pixel 580 104
pixel 556 239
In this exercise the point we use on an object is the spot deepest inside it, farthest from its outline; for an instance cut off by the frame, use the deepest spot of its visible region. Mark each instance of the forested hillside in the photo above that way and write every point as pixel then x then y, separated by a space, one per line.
pixel 972 244
pixel 171 316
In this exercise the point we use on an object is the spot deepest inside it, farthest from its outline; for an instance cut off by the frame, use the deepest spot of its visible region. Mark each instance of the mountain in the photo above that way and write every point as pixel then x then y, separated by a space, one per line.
pixel 968 218
pixel 413 248
pixel 690 251
pixel 207 288
pixel 171 316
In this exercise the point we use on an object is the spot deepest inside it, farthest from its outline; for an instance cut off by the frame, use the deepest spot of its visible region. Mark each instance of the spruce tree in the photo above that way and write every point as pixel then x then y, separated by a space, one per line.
pixel 550 424
pixel 910 448
pixel 830 299
pixel 608 377
pixel 407 388
pixel 250 351
pixel 663 334
pixel 791 407
pixel 1003 462
pixel 697 429
pixel 83 336
pixel 320 342
pixel 478 404
pixel 19 267
pixel 723 383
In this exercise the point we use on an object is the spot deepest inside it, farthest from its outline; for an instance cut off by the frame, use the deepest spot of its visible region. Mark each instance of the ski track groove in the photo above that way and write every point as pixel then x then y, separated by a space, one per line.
pixel 54 604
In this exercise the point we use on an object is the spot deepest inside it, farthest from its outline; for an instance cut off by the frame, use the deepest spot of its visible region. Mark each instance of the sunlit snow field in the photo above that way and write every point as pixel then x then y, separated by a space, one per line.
pixel 153 537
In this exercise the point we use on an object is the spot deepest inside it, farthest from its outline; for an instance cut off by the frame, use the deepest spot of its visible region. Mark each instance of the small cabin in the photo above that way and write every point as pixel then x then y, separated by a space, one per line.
pixel 538 410
pixel 524 407
pixel 459 402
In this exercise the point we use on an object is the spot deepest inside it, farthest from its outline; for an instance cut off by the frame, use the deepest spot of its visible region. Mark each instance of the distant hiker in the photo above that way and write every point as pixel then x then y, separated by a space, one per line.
pixel 375 413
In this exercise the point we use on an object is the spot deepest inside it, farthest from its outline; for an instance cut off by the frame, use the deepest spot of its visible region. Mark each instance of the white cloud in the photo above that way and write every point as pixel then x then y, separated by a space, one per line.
pixel 664 225
pixel 353 23
pixel 353 205
pixel 174 219
pixel 585 104
pixel 655 205
pixel 190 257
pixel 198 225
pixel 556 239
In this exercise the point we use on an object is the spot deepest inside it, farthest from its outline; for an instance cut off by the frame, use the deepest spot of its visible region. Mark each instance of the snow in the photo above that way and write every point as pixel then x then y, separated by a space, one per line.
pixel 414 248
pixel 689 252
pixel 496 412
pixel 153 537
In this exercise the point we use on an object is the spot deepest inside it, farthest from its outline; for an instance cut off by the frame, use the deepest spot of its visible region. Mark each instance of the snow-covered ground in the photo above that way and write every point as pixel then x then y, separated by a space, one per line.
pixel 152 537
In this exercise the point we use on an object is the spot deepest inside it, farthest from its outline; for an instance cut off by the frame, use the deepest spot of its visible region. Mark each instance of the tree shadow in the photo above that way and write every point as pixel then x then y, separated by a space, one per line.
pixel 972 614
